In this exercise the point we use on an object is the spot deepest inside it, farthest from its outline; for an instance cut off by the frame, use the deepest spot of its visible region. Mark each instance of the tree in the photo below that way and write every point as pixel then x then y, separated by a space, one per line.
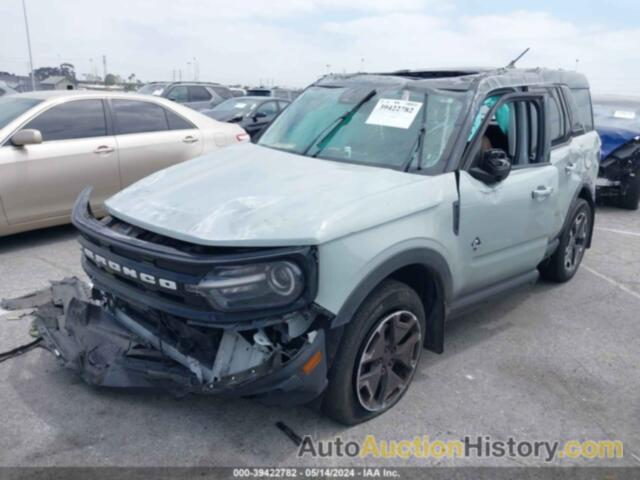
pixel 68 70
pixel 64 70
pixel 45 72
pixel 110 79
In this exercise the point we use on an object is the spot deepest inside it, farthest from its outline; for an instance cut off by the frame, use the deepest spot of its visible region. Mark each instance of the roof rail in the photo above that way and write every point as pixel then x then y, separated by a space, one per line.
pixel 194 82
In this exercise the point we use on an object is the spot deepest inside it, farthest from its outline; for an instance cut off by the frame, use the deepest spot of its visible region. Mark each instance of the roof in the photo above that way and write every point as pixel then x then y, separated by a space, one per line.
pixel 54 80
pixel 258 98
pixel 466 78
pixel 53 94
pixel 441 72
pixel 183 82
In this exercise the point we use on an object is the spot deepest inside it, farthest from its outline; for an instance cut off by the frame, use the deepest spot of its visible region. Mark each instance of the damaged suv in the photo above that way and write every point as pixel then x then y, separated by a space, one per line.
pixel 317 264
pixel 617 121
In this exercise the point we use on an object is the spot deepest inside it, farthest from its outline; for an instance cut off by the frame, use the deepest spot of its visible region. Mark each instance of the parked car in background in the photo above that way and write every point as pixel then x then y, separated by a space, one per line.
pixel 283 93
pixel 617 120
pixel 253 114
pixel 53 144
pixel 6 89
pixel 317 263
pixel 197 95
pixel 238 92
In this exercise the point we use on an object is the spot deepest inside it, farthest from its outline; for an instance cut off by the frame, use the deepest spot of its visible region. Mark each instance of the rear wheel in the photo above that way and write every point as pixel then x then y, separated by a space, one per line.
pixel 565 261
pixel 378 356
pixel 631 197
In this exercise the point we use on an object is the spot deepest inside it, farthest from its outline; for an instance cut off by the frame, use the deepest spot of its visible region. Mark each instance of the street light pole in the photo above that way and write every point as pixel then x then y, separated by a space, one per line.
pixel 26 24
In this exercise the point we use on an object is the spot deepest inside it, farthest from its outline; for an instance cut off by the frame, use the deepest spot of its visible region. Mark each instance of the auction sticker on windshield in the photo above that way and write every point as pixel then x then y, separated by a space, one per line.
pixel 390 112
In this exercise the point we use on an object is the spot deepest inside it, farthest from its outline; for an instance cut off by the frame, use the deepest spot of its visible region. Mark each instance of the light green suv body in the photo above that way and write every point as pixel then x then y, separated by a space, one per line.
pixel 413 197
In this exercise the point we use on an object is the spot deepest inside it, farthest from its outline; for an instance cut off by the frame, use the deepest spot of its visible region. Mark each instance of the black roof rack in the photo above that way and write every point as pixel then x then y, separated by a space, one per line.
pixel 433 73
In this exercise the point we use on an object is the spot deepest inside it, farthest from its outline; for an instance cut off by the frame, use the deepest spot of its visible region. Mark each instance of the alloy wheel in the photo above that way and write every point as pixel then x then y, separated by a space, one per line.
pixel 577 243
pixel 388 361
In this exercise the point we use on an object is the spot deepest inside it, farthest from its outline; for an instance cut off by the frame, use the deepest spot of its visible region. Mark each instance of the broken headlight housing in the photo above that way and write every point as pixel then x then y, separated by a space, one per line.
pixel 253 286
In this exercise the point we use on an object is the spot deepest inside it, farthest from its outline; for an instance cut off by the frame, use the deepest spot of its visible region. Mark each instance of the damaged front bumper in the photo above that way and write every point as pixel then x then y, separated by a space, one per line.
pixel 113 346
pixel 618 169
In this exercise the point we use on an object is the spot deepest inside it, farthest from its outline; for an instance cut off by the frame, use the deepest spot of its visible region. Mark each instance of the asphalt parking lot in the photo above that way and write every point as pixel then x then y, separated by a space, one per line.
pixel 554 362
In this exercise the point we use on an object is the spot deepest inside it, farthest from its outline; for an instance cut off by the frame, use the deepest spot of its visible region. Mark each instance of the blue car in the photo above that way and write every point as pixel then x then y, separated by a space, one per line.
pixel 617 120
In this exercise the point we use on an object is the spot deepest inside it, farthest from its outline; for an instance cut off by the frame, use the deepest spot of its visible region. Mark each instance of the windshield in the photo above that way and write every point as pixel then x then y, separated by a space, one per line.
pixel 377 126
pixel 12 107
pixel 236 105
pixel 617 115
pixel 153 88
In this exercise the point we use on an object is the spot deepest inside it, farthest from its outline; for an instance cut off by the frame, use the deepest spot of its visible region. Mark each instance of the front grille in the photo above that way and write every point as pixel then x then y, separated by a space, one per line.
pixel 136 289
pixel 112 243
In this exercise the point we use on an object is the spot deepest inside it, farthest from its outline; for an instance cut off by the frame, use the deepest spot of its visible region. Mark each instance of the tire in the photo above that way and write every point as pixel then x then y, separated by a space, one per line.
pixel 362 368
pixel 565 261
pixel 631 198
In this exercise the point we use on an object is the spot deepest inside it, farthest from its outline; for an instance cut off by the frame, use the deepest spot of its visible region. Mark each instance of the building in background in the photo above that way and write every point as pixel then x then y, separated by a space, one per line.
pixel 57 83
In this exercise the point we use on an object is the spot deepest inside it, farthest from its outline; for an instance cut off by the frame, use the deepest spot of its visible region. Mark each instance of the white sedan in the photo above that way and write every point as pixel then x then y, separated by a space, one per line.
pixel 53 144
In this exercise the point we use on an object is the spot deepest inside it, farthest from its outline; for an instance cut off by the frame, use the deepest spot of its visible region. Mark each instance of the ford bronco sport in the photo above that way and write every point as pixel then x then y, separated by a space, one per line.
pixel 317 264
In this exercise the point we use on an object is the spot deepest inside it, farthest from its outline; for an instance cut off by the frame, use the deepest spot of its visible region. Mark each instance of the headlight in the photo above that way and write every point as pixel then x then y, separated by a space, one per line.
pixel 254 286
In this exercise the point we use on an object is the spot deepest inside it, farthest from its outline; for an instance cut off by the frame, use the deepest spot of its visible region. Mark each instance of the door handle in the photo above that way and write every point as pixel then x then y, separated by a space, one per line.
pixel 541 192
pixel 104 149
pixel 189 139
pixel 570 167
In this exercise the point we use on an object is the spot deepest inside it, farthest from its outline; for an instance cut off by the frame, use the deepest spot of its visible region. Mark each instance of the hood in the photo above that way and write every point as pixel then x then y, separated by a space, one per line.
pixel 613 138
pixel 247 195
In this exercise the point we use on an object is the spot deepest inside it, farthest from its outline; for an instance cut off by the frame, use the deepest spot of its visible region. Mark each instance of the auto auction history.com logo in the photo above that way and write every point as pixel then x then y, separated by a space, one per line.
pixel 467 447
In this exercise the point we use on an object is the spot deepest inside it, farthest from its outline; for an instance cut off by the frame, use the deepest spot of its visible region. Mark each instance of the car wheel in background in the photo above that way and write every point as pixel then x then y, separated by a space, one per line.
pixel 631 196
pixel 565 261
pixel 378 356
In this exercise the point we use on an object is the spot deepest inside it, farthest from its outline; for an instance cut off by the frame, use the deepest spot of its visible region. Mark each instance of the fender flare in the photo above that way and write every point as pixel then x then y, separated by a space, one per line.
pixel 592 203
pixel 425 257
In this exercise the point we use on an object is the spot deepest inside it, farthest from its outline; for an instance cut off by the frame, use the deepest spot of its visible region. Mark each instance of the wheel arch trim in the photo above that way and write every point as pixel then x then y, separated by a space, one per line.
pixel 584 192
pixel 424 257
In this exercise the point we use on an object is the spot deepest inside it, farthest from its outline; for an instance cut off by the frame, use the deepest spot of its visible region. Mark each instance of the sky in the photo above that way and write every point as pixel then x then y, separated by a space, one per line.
pixel 293 42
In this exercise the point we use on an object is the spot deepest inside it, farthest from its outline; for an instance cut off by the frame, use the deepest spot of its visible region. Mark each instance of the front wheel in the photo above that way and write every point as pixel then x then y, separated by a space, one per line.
pixel 564 263
pixel 378 355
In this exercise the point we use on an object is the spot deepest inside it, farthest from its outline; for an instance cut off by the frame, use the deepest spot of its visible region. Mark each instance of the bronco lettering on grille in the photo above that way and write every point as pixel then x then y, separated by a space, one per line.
pixel 114 267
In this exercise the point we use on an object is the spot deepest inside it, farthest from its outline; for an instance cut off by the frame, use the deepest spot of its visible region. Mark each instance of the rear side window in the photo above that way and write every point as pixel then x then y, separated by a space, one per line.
pixel 555 118
pixel 139 117
pixel 198 93
pixel 179 94
pixel 582 99
pixel 176 122
pixel 223 92
pixel 72 120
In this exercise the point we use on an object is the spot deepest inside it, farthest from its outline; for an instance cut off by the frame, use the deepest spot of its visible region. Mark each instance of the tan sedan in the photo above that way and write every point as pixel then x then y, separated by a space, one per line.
pixel 53 144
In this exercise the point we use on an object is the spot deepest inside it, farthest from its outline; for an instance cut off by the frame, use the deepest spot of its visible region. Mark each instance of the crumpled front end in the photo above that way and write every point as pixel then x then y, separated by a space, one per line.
pixel 190 318
pixel 115 346
pixel 620 165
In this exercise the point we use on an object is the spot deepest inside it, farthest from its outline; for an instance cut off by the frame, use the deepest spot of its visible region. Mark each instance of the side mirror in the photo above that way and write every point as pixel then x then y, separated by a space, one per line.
pixel 494 167
pixel 26 137
pixel 258 115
